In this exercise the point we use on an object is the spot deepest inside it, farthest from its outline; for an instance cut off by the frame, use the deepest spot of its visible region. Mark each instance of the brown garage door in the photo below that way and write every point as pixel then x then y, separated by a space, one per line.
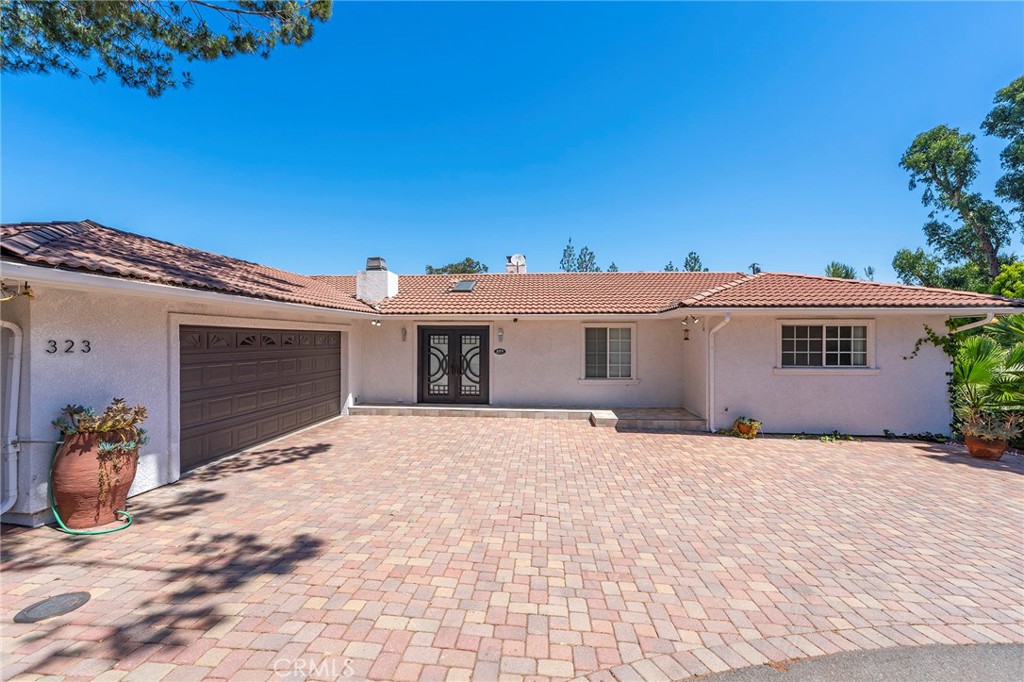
pixel 240 387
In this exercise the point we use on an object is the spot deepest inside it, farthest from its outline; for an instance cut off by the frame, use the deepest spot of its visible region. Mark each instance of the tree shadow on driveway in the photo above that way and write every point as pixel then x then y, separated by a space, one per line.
pixel 183 606
pixel 253 460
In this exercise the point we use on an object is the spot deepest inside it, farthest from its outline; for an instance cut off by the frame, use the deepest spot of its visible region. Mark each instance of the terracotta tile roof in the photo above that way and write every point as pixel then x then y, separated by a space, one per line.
pixel 584 293
pixel 782 290
pixel 87 245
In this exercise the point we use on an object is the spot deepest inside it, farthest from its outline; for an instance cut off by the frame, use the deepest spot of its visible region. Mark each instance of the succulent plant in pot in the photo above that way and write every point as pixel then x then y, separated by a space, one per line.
pixel 746 427
pixel 989 395
pixel 95 465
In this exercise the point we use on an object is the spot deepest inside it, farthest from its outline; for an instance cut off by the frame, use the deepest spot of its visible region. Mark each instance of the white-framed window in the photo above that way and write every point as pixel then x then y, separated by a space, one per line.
pixel 609 352
pixel 831 344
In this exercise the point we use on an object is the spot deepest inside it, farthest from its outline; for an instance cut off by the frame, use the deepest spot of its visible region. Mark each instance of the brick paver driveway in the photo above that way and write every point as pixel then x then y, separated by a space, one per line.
pixel 403 548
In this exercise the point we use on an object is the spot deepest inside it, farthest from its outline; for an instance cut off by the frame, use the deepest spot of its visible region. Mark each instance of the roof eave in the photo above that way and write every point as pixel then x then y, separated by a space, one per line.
pixel 77 279
pixel 954 311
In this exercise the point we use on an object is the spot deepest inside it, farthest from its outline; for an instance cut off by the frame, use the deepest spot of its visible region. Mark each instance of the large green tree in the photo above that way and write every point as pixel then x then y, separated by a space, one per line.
pixel 466 266
pixel 966 231
pixel 1006 120
pixel 944 162
pixel 141 41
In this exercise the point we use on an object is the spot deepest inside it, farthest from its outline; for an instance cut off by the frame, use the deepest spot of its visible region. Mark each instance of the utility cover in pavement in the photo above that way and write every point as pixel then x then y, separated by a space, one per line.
pixel 54 606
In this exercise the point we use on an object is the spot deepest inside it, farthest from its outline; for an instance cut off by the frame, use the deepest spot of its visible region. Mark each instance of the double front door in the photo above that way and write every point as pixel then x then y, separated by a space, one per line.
pixel 453 364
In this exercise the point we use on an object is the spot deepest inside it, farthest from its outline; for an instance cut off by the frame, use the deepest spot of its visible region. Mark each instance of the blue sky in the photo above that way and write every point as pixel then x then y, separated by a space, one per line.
pixel 430 132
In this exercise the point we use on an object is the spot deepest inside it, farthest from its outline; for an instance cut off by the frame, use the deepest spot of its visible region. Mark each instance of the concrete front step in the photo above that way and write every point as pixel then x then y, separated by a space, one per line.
pixel 467 411
pixel 624 419
pixel 668 425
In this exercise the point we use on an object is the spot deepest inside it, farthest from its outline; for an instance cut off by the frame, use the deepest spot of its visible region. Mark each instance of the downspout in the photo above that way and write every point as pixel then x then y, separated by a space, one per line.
pixel 972 325
pixel 711 371
pixel 10 447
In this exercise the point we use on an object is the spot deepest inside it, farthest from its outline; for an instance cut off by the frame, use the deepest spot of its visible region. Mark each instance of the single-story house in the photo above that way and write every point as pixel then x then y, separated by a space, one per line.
pixel 227 354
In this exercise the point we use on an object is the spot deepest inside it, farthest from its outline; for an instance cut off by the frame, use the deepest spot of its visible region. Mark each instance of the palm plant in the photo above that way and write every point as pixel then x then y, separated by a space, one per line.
pixel 1007 330
pixel 990 388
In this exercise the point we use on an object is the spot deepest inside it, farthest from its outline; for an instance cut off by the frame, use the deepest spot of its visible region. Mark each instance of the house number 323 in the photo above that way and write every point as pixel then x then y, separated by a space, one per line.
pixel 68 346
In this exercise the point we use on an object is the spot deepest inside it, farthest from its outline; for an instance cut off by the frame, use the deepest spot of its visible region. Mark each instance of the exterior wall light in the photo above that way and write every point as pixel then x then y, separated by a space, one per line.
pixel 375 323
pixel 501 334
pixel 405 333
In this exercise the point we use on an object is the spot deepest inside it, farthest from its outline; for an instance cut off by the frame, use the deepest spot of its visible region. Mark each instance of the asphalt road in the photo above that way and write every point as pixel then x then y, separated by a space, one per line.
pixel 939 663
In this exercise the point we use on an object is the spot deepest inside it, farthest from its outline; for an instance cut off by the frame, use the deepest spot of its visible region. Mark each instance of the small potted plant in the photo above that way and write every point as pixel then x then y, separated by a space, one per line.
pixel 746 427
pixel 94 467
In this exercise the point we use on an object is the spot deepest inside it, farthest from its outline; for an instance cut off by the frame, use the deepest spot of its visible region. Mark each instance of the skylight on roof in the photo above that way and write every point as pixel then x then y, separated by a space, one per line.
pixel 464 285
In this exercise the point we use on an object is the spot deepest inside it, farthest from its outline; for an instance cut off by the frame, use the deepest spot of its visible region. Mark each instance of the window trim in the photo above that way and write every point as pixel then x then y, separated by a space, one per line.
pixel 632 380
pixel 870 368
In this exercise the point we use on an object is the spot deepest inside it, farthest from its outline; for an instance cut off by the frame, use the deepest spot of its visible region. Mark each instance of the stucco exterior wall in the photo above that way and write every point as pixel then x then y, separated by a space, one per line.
pixel 133 354
pixel 541 366
pixel 903 396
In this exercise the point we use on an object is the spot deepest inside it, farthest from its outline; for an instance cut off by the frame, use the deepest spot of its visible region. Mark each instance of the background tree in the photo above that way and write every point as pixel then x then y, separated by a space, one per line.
pixel 670 268
pixel 1006 120
pixel 584 261
pixel 613 267
pixel 755 268
pixel 693 263
pixel 466 266
pixel 869 273
pixel 568 262
pixel 921 269
pixel 840 270
pixel 139 41
pixel 917 268
pixel 1010 282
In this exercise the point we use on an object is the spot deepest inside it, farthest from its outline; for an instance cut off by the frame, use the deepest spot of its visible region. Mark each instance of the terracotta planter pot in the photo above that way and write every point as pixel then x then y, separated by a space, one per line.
pixel 76 481
pixel 985 449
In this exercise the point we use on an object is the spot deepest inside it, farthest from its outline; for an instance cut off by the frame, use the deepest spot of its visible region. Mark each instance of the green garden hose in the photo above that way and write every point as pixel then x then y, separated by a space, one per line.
pixel 60 521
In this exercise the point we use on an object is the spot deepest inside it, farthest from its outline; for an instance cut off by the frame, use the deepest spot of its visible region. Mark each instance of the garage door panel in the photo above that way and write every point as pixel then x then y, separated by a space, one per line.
pixel 242 387
pixel 191 377
pixel 247 371
pixel 289 421
pixel 268 428
pixel 218 409
pixel 217 375
pixel 247 402
pixel 269 369
pixel 191 414
pixel 219 441
pixel 269 397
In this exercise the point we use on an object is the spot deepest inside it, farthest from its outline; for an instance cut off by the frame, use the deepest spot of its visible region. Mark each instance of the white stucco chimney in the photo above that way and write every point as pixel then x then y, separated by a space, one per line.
pixel 515 263
pixel 376 282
